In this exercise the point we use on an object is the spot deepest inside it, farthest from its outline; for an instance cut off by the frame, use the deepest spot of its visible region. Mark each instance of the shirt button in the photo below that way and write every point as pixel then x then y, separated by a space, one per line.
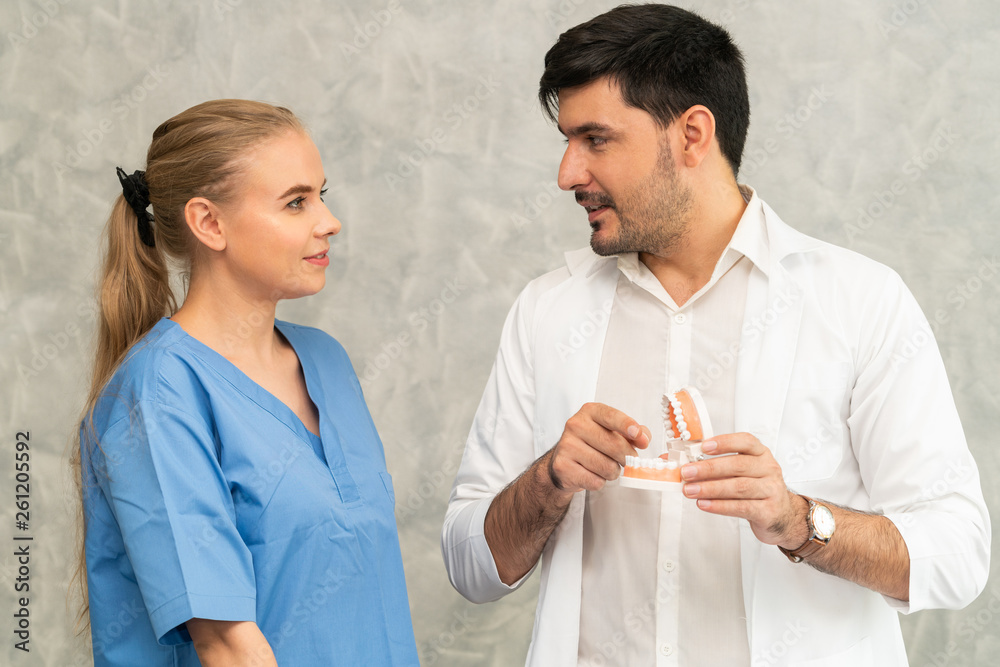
pixel 668 566
pixel 680 318
pixel 667 649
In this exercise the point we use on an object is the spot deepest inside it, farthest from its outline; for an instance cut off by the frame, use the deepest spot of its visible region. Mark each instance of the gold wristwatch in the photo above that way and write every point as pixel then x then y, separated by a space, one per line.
pixel 821 525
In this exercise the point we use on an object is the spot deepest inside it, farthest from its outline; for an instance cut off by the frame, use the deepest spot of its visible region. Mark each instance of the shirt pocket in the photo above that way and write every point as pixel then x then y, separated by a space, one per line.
pixel 814 437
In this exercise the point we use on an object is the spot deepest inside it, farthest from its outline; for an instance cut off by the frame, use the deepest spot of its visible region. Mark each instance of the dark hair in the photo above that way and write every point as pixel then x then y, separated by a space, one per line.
pixel 664 59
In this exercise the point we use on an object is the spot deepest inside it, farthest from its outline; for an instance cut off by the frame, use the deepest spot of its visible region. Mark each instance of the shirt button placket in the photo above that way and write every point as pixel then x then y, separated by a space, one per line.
pixel 666 649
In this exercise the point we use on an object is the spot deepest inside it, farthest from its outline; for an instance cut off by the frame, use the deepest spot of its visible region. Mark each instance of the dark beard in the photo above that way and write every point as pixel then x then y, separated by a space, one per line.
pixel 660 241
pixel 652 218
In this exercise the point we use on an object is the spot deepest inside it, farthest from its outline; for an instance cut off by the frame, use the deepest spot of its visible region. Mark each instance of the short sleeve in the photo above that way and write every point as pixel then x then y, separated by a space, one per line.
pixel 160 473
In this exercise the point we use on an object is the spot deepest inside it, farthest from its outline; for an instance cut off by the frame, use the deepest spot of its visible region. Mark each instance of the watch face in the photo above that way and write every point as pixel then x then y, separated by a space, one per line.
pixel 823 522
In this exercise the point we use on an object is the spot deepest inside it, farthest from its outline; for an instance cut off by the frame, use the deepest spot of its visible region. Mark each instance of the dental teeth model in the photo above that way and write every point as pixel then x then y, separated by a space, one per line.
pixel 686 424
pixel 685 416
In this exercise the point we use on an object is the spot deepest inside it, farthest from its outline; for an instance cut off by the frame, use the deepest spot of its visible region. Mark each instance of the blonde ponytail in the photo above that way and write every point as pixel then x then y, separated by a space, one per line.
pixel 134 293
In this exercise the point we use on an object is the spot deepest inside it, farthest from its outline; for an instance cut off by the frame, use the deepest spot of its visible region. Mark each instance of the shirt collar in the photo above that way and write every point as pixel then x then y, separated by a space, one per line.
pixel 749 240
pixel 750 237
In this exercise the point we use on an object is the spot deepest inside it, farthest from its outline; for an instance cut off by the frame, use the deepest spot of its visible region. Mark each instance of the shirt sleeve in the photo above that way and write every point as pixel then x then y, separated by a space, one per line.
pixel 159 470
pixel 499 448
pixel 914 459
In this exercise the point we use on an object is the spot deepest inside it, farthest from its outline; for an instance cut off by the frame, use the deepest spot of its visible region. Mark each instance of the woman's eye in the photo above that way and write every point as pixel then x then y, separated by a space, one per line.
pixel 322 194
pixel 296 203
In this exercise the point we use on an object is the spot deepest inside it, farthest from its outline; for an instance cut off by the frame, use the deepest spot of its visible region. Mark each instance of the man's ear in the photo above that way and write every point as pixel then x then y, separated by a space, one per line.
pixel 697 126
pixel 203 219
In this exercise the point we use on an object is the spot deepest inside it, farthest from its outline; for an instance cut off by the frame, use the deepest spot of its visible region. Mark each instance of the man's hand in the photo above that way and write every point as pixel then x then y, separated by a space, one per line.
pixel 522 516
pixel 866 548
pixel 748 485
pixel 593 448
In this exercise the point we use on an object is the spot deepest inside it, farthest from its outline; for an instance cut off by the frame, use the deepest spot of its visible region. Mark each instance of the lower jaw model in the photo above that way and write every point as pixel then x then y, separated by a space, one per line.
pixel 686 424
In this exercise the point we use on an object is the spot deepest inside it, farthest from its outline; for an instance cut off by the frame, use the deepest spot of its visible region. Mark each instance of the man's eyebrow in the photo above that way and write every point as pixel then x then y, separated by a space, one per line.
pixel 298 190
pixel 584 129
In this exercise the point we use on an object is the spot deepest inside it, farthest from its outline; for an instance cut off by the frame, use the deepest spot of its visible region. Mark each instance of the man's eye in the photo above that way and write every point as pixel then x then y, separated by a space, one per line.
pixel 597 141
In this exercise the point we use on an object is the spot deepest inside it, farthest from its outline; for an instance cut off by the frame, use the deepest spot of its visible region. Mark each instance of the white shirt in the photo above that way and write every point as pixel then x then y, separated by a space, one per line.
pixel 837 373
pixel 661 579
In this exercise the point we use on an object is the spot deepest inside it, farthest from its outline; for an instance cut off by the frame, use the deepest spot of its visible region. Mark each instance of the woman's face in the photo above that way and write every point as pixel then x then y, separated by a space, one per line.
pixel 277 227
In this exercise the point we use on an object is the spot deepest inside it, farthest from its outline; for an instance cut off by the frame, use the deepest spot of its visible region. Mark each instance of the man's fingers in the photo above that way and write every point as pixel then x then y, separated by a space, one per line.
pixel 572 450
pixel 725 467
pixel 593 447
pixel 587 480
pixel 734 443
pixel 737 488
pixel 737 508
pixel 575 466
pixel 583 433
pixel 591 425
pixel 751 459
pixel 618 422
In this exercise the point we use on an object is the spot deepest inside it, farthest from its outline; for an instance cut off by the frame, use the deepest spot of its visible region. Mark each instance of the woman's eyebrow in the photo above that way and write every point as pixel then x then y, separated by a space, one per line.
pixel 299 189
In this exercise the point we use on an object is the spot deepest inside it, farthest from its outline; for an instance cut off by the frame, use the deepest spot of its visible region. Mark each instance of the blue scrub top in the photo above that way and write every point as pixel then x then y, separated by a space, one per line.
pixel 206 497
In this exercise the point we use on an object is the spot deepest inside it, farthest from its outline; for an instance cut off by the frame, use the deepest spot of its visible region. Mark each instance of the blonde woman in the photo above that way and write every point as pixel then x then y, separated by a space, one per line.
pixel 236 501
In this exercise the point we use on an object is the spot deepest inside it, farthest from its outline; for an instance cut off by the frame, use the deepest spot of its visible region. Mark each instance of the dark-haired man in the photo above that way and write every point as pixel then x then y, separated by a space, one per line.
pixel 845 452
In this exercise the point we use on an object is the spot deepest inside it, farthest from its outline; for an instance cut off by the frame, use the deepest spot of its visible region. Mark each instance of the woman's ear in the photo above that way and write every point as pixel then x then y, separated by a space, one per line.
pixel 202 217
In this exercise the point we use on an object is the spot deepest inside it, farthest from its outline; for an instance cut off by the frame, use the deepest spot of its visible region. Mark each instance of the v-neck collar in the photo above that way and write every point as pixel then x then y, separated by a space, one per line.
pixel 253 391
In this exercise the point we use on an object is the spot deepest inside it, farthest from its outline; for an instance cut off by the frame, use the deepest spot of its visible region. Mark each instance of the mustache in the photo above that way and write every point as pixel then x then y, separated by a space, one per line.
pixel 594 199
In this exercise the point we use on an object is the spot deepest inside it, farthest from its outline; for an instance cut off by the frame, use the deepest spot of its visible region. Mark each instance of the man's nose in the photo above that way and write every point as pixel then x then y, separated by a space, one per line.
pixel 572 170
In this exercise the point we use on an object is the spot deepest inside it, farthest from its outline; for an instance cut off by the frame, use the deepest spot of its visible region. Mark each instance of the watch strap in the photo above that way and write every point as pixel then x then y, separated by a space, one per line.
pixel 811 546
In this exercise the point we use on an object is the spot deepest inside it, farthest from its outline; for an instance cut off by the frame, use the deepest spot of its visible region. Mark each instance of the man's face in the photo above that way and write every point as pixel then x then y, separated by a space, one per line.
pixel 619 163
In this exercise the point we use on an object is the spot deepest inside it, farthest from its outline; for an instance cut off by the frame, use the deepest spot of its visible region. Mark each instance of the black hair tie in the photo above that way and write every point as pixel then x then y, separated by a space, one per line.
pixel 136 193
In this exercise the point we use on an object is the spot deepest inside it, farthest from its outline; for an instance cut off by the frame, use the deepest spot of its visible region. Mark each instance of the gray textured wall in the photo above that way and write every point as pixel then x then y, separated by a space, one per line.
pixel 859 105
